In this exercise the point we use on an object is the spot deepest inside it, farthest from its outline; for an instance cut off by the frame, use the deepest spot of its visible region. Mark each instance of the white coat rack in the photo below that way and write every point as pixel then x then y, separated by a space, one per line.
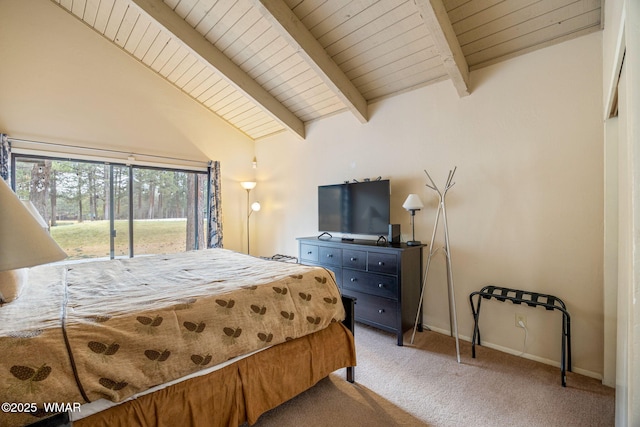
pixel 453 318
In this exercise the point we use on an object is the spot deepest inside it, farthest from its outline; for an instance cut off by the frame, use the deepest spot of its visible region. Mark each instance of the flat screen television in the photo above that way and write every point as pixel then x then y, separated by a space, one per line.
pixel 355 208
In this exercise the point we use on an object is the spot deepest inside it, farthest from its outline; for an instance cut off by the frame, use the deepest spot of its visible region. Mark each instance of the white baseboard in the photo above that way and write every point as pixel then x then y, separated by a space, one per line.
pixel 507 350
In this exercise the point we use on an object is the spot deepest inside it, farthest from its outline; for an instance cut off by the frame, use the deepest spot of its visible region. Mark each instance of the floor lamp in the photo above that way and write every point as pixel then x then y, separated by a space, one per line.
pixel 255 206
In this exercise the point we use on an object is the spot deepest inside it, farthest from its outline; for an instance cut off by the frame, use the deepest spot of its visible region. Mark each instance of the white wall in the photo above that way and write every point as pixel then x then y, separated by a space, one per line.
pixel 622 37
pixel 632 65
pixel 62 82
pixel 526 209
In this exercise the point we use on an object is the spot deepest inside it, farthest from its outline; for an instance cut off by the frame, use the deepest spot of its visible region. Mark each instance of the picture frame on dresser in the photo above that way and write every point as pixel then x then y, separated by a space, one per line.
pixel 385 280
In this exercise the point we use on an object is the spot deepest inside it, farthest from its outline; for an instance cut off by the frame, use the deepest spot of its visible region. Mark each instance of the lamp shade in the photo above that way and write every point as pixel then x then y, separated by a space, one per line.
pixel 248 185
pixel 32 209
pixel 413 203
pixel 23 241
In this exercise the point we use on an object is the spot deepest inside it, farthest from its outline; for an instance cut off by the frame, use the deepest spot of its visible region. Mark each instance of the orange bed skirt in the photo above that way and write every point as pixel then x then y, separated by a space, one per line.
pixel 240 392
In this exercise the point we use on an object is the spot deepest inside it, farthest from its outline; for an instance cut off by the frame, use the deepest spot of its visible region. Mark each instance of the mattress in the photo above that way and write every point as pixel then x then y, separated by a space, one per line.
pixel 112 329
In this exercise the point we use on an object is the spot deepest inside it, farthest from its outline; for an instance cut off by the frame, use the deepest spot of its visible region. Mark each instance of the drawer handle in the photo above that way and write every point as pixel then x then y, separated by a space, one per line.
pixel 354 259
pixel 381 285
pixel 381 311
pixel 353 279
pixel 309 253
pixel 329 255
pixel 380 263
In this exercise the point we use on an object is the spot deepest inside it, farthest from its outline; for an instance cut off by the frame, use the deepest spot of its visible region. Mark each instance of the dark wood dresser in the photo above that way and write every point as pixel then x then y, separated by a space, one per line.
pixel 385 280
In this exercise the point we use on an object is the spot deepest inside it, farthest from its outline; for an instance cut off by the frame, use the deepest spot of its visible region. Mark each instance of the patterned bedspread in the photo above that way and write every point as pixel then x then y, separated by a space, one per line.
pixel 110 329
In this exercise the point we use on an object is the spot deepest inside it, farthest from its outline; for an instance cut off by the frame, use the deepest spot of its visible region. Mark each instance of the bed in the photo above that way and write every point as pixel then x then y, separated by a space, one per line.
pixel 209 337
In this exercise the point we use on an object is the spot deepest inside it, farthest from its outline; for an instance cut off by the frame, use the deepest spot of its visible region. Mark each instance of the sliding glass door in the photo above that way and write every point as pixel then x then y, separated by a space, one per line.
pixel 168 210
pixel 99 210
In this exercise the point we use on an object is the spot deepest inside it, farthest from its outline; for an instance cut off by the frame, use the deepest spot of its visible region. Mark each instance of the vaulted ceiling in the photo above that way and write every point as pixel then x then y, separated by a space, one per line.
pixel 267 66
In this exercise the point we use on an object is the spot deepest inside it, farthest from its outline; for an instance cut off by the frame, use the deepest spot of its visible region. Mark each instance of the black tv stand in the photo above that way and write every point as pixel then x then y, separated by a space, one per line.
pixel 384 280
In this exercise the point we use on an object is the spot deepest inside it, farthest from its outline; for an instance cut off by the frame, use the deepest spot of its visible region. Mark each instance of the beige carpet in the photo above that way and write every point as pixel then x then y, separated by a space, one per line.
pixel 423 385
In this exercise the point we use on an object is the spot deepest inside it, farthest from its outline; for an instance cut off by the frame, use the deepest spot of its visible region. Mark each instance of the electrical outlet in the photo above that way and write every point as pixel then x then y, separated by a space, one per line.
pixel 521 318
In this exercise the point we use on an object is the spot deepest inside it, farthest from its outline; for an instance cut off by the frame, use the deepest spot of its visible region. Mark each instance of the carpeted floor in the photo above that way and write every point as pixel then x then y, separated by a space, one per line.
pixel 423 385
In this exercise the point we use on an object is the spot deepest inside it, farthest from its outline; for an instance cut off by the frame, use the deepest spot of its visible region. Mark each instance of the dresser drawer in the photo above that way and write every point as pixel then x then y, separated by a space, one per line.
pixel 382 263
pixel 354 259
pixel 384 279
pixel 330 256
pixel 370 283
pixel 308 252
pixel 374 309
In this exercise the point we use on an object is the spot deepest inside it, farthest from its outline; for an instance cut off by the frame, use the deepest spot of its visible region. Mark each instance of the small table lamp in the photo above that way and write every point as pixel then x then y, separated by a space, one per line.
pixel 413 204
pixel 23 243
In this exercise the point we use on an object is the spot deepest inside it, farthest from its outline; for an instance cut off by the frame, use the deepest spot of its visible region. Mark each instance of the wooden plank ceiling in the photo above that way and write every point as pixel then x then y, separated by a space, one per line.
pixel 267 66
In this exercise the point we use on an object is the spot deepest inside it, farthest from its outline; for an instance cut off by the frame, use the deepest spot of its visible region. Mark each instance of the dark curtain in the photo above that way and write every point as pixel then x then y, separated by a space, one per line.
pixel 5 157
pixel 215 206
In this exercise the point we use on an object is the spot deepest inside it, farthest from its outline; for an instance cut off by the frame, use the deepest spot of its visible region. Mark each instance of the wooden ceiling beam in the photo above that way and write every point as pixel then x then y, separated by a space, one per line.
pixel 297 35
pixel 436 19
pixel 174 24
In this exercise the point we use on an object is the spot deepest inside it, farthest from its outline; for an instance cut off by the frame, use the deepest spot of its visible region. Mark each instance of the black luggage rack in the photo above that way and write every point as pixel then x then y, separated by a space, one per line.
pixel 532 299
